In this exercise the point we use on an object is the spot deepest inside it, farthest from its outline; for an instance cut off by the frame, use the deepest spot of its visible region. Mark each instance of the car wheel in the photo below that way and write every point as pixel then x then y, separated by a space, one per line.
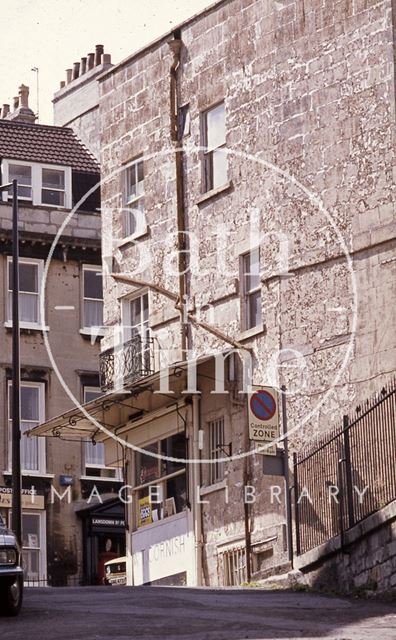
pixel 11 597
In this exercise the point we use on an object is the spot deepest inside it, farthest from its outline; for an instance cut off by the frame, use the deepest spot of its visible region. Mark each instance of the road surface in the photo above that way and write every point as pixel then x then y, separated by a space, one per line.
pixel 161 613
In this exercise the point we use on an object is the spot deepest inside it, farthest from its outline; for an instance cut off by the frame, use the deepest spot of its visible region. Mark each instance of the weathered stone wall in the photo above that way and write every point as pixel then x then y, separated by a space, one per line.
pixel 367 564
pixel 310 113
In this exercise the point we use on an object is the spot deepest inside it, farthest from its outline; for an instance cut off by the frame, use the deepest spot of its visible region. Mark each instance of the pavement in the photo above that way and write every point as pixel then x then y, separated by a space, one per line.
pixel 173 613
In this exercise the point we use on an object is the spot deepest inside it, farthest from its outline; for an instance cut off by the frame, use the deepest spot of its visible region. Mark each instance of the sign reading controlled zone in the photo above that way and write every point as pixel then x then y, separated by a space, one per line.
pixel 263 414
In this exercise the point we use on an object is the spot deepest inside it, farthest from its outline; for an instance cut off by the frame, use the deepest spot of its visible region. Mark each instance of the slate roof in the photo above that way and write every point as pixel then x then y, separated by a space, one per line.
pixel 45 144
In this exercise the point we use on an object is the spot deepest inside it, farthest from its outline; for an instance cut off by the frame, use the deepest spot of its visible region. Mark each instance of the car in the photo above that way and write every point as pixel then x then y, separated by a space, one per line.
pixel 11 572
pixel 115 571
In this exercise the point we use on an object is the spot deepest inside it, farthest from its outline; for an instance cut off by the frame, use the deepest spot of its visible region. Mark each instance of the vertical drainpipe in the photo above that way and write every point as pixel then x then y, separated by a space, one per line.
pixel 175 46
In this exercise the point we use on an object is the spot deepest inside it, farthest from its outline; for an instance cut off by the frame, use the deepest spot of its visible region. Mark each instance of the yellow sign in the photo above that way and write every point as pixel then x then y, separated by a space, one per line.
pixel 29 498
pixel 144 511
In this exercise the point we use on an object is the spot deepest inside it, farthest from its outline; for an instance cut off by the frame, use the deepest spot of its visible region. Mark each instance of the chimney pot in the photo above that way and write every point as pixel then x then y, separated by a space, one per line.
pixel 6 110
pixel 24 96
pixel 83 66
pixel 76 70
pixel 91 61
pixel 16 102
pixel 99 49
pixel 106 58
pixel 62 84
pixel 68 75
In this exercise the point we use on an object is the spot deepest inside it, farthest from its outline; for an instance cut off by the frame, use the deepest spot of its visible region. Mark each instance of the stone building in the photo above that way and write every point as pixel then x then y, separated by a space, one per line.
pixel 248 179
pixel 53 170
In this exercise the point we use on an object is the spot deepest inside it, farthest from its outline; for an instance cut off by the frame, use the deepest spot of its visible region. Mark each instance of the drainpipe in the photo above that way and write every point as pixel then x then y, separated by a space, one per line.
pixel 197 506
pixel 175 46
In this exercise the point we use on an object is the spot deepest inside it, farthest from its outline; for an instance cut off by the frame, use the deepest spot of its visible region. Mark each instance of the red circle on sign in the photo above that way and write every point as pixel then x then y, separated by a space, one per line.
pixel 263 405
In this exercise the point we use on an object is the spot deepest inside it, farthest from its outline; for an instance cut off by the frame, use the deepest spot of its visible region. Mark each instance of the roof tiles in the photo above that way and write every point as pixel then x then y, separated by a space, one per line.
pixel 45 144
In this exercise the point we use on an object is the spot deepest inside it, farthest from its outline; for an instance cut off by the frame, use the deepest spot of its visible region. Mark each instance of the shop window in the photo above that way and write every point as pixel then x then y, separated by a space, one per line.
pixel 133 199
pixel 48 185
pixel 30 278
pixel 161 489
pixel 32 414
pixel 31 547
pixel 251 290
pixel 216 450
pixel 92 296
pixel 214 143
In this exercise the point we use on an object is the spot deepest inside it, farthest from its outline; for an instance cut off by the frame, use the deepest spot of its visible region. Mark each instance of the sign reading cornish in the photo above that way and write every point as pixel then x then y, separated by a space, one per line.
pixel 263 414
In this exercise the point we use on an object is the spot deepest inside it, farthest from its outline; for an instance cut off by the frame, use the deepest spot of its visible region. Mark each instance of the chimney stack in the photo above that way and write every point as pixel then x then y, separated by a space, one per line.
pixel 91 61
pixel 22 112
pixel 76 70
pixel 83 66
pixel 106 58
pixel 68 75
pixel 99 50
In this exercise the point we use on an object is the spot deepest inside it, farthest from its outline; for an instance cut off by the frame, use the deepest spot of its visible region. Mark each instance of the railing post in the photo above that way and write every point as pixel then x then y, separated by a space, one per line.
pixel 296 505
pixel 348 473
pixel 341 460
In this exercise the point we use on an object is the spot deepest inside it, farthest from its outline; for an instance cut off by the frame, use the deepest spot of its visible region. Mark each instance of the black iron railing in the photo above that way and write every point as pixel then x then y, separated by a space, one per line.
pixel 126 363
pixel 349 475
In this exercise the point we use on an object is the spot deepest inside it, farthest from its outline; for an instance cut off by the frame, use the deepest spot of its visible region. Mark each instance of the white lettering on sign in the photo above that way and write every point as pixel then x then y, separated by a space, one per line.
pixel 167 548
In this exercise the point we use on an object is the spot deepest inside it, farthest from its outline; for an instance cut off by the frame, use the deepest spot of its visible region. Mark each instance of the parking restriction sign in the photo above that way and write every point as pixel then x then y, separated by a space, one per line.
pixel 263 414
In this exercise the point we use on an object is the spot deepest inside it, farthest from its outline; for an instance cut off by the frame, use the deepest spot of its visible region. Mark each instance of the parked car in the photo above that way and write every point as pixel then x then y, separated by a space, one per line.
pixel 115 571
pixel 11 572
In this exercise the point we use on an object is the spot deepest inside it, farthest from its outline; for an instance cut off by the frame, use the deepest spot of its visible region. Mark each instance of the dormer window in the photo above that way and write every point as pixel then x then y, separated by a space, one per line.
pixel 39 184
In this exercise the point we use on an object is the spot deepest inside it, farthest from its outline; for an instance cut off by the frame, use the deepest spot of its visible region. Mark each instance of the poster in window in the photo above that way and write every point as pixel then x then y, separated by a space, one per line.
pixel 144 511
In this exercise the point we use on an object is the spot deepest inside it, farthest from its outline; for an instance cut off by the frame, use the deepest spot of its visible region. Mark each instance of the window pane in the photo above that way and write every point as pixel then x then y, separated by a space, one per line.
pixel 28 277
pixel 215 127
pixel 147 466
pixel 219 169
pixel 53 179
pixel 135 220
pixel 29 449
pixel 30 403
pixel 176 495
pixel 30 530
pixel 94 453
pixel 91 394
pixel 56 198
pixel 136 312
pixel 93 313
pixel 21 173
pixel 93 286
pixel 173 447
pixel 134 181
pixel 254 309
pixel 28 307
pixel 252 270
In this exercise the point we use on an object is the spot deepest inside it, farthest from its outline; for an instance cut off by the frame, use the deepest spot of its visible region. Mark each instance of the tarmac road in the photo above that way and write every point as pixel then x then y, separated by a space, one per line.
pixel 166 613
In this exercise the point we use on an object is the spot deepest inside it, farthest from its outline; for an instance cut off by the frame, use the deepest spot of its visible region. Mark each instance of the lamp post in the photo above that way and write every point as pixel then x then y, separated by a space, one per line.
pixel 16 368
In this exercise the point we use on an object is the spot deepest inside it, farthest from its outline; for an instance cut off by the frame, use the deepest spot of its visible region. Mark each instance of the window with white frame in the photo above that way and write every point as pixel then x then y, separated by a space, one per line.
pixel 216 450
pixel 40 184
pixel 214 143
pixel 32 413
pixel 135 316
pixel 30 278
pixel 133 198
pixel 251 289
pixel 94 454
pixel 92 296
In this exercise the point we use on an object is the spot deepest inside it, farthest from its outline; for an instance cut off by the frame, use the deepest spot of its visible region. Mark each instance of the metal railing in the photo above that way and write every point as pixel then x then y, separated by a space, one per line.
pixel 349 475
pixel 126 363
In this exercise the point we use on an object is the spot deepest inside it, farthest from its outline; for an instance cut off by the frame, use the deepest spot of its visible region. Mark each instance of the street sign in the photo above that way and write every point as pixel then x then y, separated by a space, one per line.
pixel 263 414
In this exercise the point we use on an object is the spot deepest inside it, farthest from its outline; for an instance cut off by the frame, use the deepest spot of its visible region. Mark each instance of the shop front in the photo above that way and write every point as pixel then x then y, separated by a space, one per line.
pixel 34 538
pixel 103 537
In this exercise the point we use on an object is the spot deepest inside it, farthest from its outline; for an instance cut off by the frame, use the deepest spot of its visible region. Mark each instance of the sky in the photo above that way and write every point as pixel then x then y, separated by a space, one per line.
pixel 52 34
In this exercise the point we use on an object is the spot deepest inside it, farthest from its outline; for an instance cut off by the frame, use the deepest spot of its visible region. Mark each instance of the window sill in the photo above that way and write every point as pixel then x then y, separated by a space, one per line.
pixel 101 479
pixel 218 486
pixel 88 333
pixel 213 193
pixel 250 333
pixel 136 236
pixel 32 474
pixel 27 327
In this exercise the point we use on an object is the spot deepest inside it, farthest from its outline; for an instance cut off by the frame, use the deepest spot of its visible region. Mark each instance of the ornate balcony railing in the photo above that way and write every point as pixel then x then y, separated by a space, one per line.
pixel 126 363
